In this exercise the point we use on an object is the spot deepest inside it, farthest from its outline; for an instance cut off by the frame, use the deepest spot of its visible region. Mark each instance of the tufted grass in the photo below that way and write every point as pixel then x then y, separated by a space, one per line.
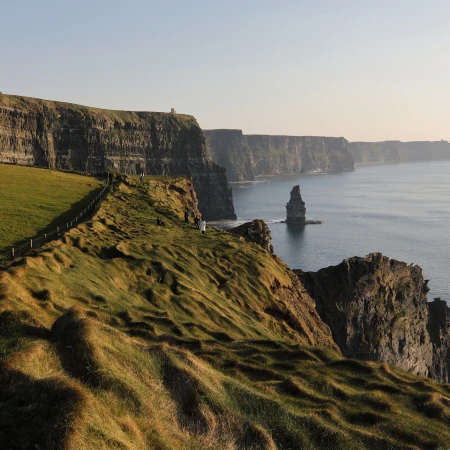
pixel 127 335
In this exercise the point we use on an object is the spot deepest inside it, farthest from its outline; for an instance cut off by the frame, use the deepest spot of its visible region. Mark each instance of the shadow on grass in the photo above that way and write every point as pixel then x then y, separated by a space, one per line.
pixel 38 414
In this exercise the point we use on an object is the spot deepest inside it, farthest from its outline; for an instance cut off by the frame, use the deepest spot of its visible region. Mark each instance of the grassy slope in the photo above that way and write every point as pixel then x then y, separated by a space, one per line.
pixel 131 336
pixel 37 200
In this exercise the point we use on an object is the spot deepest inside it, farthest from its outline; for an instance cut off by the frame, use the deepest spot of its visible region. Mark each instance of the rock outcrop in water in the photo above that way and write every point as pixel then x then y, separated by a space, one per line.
pixel 66 136
pixel 295 208
pixel 396 151
pixel 247 156
pixel 255 231
pixel 377 310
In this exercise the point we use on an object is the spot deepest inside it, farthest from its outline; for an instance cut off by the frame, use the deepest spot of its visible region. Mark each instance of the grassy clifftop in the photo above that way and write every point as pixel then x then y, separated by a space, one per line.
pixel 35 105
pixel 132 336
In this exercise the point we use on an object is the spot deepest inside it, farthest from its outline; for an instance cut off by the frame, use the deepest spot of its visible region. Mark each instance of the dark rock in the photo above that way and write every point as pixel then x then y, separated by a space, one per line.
pixel 439 329
pixel 376 309
pixel 73 137
pixel 247 156
pixel 256 231
pixel 295 208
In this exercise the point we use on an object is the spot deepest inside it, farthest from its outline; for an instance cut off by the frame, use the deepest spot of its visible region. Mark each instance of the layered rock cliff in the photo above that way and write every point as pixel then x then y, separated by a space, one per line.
pixel 247 156
pixel 439 328
pixel 377 310
pixel 65 136
pixel 396 151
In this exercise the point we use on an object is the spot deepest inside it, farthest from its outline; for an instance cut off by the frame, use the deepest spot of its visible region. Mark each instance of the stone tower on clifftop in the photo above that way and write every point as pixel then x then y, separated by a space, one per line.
pixel 295 208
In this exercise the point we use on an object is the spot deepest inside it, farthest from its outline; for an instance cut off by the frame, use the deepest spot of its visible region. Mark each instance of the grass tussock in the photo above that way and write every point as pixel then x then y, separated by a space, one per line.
pixel 128 335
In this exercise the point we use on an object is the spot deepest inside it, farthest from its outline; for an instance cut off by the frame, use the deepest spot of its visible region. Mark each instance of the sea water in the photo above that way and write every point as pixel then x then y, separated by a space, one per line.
pixel 400 210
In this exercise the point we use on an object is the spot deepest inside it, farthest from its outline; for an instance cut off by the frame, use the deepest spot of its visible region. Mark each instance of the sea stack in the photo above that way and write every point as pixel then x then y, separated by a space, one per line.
pixel 295 208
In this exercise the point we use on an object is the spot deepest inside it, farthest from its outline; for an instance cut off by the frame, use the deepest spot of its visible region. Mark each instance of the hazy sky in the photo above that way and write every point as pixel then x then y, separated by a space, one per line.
pixel 365 70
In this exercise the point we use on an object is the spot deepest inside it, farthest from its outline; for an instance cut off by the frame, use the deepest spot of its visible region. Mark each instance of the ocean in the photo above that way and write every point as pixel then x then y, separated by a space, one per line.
pixel 400 210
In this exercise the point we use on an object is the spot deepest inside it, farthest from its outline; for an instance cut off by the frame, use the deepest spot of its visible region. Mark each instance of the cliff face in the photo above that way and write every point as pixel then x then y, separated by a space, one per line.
pixel 396 151
pixel 65 136
pixel 246 156
pixel 439 327
pixel 377 310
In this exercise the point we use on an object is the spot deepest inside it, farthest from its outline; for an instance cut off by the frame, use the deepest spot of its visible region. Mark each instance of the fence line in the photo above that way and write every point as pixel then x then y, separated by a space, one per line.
pixel 58 232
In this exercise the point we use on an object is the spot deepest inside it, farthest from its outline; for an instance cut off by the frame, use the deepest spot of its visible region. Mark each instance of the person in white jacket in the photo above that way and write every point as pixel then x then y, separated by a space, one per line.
pixel 202 226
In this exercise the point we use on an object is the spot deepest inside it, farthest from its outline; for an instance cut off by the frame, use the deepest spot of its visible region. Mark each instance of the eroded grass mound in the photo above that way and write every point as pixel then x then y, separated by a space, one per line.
pixel 132 336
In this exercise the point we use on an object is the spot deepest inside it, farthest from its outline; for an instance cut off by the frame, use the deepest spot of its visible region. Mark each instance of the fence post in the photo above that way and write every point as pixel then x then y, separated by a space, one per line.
pixel 67 225
pixel 31 243
pixel 57 231
pixel 45 237
pixel 12 253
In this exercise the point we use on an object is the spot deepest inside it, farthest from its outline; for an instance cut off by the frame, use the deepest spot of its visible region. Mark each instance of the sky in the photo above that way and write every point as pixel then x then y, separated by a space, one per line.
pixel 365 70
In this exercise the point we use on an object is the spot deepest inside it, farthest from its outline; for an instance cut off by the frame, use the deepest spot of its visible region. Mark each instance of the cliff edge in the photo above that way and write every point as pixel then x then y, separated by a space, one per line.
pixel 397 151
pixel 247 156
pixel 377 310
pixel 66 136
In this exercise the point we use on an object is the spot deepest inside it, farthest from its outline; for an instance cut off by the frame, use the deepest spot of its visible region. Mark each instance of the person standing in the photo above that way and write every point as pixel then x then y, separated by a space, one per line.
pixel 197 222
pixel 202 226
pixel 186 216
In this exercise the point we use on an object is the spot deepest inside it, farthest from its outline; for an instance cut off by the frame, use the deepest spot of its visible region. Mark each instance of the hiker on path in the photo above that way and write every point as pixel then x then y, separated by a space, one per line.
pixel 142 177
pixel 186 216
pixel 202 226
pixel 197 222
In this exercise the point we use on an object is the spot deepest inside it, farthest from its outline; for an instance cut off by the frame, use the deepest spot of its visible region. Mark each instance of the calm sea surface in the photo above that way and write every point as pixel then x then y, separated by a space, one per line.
pixel 400 210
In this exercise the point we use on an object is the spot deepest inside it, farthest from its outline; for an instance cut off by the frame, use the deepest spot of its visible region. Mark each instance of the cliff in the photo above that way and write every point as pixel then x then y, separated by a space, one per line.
pixel 377 310
pixel 439 328
pixel 247 156
pixel 66 136
pixel 396 151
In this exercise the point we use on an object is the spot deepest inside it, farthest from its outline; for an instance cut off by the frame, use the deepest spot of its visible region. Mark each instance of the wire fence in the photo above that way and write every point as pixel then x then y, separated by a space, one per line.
pixel 57 233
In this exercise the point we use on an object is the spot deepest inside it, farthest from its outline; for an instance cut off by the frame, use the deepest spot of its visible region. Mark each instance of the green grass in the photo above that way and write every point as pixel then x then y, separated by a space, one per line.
pixel 127 335
pixel 34 201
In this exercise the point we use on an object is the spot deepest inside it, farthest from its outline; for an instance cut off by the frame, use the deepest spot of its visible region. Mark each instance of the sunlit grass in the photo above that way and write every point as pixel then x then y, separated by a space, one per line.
pixel 35 200
pixel 130 335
